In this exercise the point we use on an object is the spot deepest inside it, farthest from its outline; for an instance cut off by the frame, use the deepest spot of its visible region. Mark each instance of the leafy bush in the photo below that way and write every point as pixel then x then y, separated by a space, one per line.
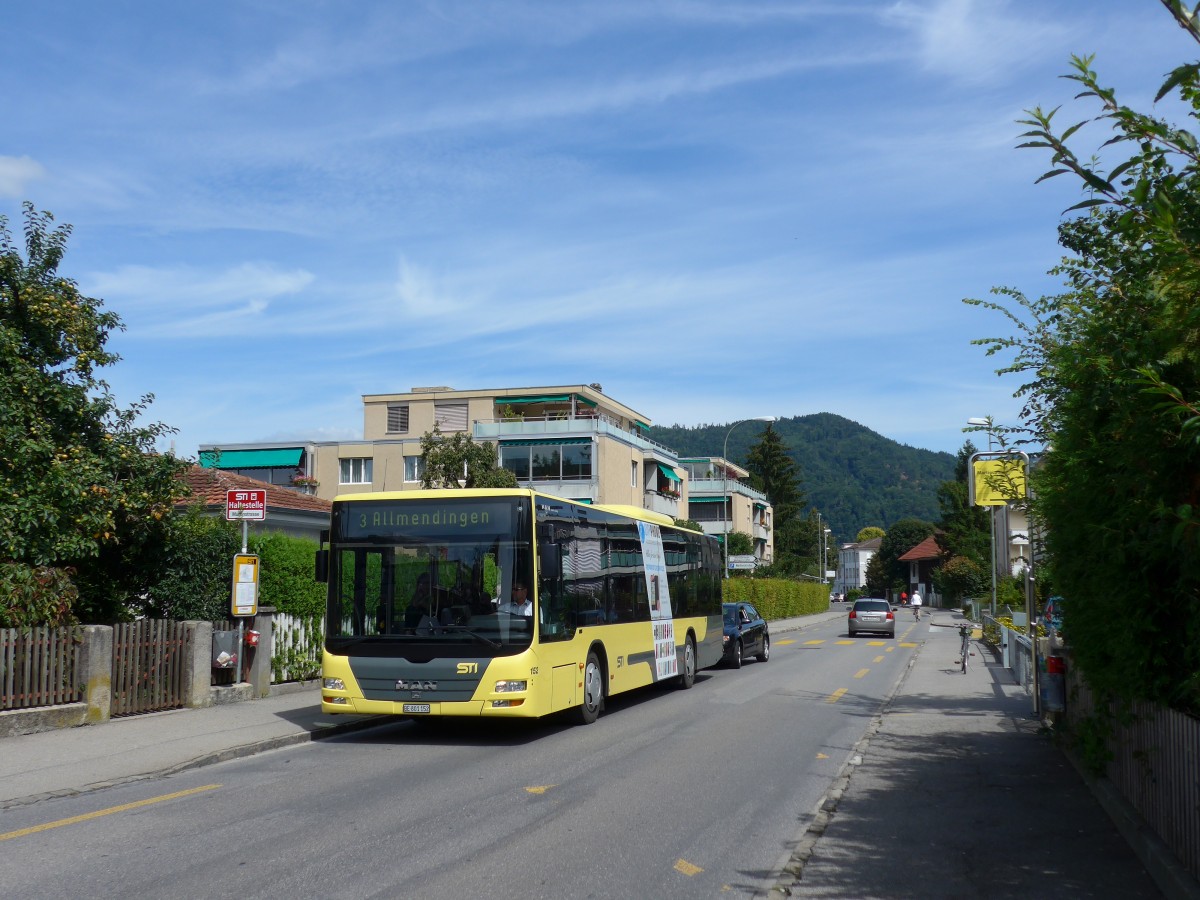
pixel 777 598
pixel 286 575
pixel 35 595
pixel 197 569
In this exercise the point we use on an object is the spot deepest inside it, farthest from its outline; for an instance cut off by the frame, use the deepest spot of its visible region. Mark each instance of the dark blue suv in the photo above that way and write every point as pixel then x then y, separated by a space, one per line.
pixel 746 634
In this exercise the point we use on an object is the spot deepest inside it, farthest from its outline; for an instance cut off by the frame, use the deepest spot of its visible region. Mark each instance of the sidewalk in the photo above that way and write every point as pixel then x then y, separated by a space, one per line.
pixel 955 792
pixel 76 760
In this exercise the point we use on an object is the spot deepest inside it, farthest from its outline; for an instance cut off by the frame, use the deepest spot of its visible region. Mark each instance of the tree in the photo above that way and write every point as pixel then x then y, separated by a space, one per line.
pixel 1113 369
pixel 898 540
pixel 774 473
pixel 81 487
pixel 457 461
pixel 740 544
pixel 964 529
pixel 869 534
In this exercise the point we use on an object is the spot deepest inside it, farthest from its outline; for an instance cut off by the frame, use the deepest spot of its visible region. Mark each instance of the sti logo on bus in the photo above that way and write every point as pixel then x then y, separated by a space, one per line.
pixel 403 685
pixel 468 668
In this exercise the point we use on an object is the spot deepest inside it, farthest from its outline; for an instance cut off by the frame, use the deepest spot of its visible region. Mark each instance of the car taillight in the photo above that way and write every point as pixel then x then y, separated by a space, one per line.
pixel 852 614
pixel 891 615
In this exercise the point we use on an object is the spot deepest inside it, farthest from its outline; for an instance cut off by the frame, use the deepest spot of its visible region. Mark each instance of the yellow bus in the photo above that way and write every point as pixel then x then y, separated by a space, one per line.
pixel 426 614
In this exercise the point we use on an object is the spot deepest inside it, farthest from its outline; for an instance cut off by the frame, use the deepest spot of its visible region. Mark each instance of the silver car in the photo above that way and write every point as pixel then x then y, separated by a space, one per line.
pixel 871 615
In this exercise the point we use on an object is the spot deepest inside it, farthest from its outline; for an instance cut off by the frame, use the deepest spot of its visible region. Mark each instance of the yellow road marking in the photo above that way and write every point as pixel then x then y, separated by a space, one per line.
pixel 847 643
pixel 540 789
pixel 73 820
pixel 784 643
pixel 835 696
pixel 682 865
pixel 878 659
pixel 906 644
pixel 861 672
pixel 819 641
pixel 822 756
pixel 876 644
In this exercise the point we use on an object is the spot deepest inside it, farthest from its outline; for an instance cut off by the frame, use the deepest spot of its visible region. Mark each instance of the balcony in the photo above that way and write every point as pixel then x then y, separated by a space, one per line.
pixel 666 504
pixel 554 426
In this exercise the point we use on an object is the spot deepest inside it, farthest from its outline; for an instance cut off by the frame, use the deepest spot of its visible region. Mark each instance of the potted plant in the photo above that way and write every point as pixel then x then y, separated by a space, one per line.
pixel 305 483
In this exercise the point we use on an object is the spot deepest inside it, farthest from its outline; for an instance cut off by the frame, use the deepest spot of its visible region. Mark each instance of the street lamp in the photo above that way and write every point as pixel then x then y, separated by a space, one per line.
pixel 726 500
pixel 980 422
pixel 824 546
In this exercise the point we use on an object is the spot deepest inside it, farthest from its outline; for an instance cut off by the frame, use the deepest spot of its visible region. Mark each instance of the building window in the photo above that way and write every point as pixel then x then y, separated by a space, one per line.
pixel 450 416
pixel 548 462
pixel 355 471
pixel 414 468
pixel 633 479
pixel 397 418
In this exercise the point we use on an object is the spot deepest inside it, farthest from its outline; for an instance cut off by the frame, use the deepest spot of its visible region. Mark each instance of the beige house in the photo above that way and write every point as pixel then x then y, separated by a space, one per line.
pixel 572 441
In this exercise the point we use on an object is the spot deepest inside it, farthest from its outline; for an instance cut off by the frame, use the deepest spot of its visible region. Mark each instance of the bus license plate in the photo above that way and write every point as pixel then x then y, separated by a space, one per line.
pixel 415 708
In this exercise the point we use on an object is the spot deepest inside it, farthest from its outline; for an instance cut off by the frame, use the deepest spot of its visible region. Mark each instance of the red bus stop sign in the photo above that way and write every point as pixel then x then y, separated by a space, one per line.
pixel 246 505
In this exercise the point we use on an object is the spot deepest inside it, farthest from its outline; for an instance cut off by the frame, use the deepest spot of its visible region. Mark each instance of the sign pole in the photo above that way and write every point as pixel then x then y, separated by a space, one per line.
pixel 245 505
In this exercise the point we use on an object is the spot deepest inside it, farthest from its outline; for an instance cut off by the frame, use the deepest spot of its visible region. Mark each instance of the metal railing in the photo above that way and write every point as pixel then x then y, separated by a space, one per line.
pixel 1016 651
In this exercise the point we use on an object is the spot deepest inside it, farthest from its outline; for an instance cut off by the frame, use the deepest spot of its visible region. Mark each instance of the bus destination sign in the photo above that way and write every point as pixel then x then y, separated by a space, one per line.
pixel 243 505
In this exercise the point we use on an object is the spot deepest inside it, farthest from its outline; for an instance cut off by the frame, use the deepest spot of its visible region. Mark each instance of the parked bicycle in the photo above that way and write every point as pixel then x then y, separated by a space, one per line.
pixel 964 648
pixel 964 652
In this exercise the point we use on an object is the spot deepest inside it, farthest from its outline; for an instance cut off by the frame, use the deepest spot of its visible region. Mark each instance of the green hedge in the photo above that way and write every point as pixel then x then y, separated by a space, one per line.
pixel 778 598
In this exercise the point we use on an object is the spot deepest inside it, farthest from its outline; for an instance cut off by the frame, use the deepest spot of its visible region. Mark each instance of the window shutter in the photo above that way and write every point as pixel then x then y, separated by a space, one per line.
pixel 397 418
pixel 450 416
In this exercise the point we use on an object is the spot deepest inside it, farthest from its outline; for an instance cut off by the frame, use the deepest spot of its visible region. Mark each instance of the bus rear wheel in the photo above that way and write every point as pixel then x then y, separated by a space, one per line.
pixel 593 690
pixel 687 676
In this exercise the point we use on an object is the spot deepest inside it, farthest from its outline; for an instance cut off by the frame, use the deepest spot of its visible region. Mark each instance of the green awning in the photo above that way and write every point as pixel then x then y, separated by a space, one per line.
pixel 706 499
pixel 560 398
pixel 251 459
pixel 640 424
pixel 669 472
pixel 544 442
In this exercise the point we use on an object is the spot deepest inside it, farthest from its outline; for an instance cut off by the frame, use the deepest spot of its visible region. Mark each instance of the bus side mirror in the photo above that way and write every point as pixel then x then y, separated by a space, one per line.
pixel 321 568
pixel 549 562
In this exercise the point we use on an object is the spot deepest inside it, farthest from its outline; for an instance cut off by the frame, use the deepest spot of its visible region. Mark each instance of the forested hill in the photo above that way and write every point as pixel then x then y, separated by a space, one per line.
pixel 852 475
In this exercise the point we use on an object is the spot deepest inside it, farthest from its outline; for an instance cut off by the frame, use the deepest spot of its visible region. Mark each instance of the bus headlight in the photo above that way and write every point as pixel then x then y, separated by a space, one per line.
pixel 507 687
pixel 333 684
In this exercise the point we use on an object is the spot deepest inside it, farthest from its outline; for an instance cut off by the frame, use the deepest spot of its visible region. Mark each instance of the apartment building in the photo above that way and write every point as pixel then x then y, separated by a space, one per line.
pixel 719 501
pixel 572 441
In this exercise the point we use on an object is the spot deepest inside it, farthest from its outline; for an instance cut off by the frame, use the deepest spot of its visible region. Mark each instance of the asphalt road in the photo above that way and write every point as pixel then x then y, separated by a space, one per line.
pixel 671 794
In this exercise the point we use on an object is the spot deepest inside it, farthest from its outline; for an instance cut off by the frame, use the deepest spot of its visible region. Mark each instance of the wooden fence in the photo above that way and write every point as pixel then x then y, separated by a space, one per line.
pixel 148 666
pixel 1155 766
pixel 297 647
pixel 37 667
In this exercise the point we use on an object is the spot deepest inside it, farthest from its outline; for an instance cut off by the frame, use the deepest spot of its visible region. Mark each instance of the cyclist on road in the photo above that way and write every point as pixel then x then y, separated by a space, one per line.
pixel 915 600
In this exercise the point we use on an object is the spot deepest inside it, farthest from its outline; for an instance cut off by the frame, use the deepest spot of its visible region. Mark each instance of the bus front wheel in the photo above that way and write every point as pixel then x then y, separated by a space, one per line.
pixel 687 677
pixel 593 690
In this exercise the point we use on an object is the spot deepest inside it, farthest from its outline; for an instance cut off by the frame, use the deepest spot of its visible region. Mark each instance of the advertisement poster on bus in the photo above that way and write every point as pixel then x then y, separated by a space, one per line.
pixel 655 562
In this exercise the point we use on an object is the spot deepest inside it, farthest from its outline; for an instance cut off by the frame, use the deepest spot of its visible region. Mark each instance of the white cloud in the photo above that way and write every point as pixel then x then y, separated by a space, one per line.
pixel 181 301
pixel 16 172
pixel 970 41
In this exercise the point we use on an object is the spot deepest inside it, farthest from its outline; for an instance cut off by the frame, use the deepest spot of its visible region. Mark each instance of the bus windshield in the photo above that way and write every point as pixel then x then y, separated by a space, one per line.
pixel 430 572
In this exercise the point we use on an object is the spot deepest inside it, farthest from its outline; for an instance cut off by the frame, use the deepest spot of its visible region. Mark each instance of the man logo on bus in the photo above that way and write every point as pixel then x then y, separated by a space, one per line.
pixel 402 685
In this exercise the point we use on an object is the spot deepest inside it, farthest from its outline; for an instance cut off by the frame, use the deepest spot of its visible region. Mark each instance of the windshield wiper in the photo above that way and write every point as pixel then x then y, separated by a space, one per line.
pixel 465 630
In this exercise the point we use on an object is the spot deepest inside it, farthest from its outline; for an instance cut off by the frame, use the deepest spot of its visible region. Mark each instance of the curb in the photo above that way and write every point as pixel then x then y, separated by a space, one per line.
pixel 793 870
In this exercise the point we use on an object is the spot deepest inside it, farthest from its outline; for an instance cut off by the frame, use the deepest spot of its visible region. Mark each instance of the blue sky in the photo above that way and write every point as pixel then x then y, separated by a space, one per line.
pixel 714 209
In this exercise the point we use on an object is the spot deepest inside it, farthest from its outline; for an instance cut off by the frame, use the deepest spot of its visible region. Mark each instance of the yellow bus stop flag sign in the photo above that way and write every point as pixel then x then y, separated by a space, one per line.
pixel 998 481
